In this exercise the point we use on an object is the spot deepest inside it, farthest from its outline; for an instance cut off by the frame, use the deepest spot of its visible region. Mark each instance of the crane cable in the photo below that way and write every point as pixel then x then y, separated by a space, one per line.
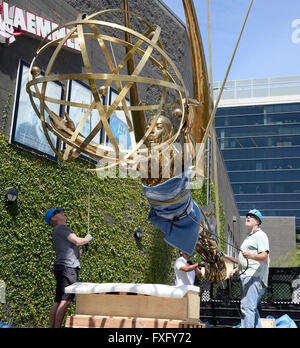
pixel 213 114
pixel 212 126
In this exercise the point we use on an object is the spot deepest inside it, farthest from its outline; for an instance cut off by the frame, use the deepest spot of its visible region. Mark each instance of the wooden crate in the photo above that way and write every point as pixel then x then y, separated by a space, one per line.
pixel 139 306
pixel 268 323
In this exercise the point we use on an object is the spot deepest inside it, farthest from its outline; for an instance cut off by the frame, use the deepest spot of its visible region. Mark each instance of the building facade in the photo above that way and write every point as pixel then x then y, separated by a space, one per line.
pixel 258 129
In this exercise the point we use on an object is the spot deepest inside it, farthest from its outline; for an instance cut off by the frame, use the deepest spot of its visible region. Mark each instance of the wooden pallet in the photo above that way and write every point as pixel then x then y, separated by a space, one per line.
pixel 268 323
pixel 88 321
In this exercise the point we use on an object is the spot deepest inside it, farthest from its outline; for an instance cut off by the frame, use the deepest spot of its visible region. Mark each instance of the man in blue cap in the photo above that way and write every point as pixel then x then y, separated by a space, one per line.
pixel 253 267
pixel 66 269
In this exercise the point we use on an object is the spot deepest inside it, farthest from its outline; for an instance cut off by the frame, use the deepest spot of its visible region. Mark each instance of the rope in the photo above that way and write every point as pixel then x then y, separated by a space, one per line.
pixel 210 51
pixel 89 181
pixel 213 130
pixel 185 214
pixel 89 202
pixel 213 114
pixel 219 239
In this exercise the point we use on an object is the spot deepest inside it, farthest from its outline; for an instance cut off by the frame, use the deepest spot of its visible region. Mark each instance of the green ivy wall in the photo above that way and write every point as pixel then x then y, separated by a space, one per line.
pixel 118 207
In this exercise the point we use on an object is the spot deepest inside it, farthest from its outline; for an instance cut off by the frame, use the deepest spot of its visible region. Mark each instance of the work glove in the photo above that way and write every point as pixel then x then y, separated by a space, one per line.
pixel 88 237
pixel 85 248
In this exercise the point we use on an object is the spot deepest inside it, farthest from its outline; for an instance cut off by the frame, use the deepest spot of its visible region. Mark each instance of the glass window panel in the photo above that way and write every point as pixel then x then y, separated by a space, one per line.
pixel 288 128
pixel 275 212
pixel 239 120
pixel 227 94
pixel 260 92
pixel 255 141
pixel 282 118
pixel 284 80
pixel 258 109
pixel 268 114
pixel 241 110
pixel 263 176
pixel 246 142
pixel 266 164
pixel 246 93
pixel 276 152
pixel 268 198
pixel 269 206
pixel 261 188
pixel 280 91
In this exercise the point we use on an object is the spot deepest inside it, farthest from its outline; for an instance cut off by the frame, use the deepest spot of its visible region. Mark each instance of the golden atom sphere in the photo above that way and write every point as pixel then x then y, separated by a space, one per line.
pixel 147 53
pixel 177 112
pixel 103 90
pixel 35 71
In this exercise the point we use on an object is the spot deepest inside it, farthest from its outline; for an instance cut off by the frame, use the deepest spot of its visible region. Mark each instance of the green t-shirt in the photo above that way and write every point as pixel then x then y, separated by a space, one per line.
pixel 255 243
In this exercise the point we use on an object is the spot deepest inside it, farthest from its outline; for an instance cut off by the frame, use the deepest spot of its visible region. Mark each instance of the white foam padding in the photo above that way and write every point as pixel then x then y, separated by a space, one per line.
pixel 142 289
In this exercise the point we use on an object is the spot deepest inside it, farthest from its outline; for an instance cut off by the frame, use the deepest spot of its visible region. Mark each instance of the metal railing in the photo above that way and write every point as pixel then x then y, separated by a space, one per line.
pixel 220 303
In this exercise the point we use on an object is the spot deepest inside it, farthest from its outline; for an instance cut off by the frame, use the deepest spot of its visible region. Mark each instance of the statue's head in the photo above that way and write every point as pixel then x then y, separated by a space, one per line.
pixel 162 131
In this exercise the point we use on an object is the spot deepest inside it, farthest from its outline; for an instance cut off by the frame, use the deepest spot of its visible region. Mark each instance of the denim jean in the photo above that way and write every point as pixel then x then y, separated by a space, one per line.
pixel 252 291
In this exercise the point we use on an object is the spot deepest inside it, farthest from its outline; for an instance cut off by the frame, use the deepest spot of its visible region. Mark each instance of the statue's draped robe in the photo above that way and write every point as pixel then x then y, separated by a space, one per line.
pixel 174 212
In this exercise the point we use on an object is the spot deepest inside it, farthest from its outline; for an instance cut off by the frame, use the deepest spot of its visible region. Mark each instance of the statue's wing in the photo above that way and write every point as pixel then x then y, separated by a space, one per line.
pixel 202 110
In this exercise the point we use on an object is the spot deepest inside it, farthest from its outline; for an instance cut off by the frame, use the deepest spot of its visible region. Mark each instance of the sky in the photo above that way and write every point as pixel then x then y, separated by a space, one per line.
pixel 270 45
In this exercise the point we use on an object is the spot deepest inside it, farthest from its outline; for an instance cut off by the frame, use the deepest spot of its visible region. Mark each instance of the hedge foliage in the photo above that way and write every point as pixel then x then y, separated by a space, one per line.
pixel 118 207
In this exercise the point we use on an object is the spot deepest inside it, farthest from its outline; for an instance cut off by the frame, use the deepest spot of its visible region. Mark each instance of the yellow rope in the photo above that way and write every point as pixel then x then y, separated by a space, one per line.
pixel 211 124
pixel 213 114
pixel 212 127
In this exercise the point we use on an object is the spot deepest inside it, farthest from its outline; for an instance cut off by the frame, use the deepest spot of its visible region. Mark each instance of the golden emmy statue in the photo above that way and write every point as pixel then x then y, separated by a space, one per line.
pixel 146 124
pixel 215 265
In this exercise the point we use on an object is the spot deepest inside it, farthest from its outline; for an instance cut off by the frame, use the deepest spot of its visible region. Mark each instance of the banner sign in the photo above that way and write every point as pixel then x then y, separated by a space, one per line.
pixel 15 21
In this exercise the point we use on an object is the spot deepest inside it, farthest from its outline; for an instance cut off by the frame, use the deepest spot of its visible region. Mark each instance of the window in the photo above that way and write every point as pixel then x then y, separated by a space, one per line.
pixel 119 124
pixel 27 130
pixel 262 188
pixel 260 145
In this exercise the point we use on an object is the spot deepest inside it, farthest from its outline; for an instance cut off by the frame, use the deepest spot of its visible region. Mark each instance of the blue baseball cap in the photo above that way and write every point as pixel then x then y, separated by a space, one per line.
pixel 50 213
pixel 256 213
